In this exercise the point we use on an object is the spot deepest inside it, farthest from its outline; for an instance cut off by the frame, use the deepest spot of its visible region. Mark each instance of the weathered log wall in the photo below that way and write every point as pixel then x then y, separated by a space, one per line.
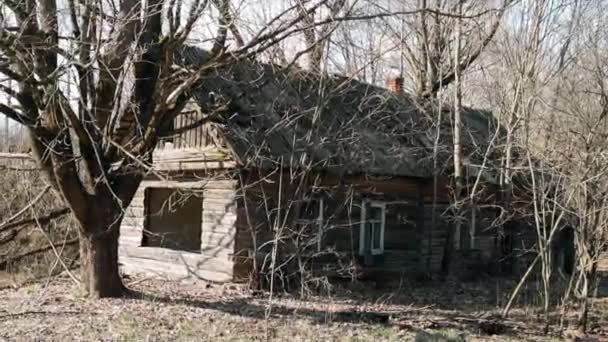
pixel 213 262
pixel 241 216
pixel 414 242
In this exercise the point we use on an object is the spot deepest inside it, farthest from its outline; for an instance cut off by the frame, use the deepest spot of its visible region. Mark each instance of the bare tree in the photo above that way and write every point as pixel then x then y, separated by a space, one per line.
pixel 548 88
pixel 430 40
pixel 123 60
pixel 316 37
pixel 584 162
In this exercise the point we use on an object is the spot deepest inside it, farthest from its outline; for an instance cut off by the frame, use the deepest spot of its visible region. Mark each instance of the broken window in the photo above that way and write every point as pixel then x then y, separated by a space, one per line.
pixel 173 219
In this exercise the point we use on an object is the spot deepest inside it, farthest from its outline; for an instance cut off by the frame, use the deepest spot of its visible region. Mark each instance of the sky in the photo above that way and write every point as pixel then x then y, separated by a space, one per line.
pixel 351 44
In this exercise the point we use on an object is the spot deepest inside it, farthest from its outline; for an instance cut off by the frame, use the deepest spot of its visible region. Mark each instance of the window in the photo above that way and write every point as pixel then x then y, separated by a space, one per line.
pixel 173 220
pixel 311 214
pixel 371 237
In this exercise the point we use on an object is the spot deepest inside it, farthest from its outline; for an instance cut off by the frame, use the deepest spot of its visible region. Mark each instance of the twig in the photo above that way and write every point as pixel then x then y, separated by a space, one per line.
pixel 5 262
pixel 30 313
pixel 67 270
pixel 57 260
pixel 31 204
pixel 135 282
pixel 42 220
pixel 505 312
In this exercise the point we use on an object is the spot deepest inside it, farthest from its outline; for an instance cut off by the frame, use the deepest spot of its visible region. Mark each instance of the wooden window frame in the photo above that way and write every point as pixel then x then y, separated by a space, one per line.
pixel 364 220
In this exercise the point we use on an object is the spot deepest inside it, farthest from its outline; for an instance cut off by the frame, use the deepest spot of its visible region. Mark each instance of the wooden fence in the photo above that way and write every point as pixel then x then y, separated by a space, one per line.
pixel 17 161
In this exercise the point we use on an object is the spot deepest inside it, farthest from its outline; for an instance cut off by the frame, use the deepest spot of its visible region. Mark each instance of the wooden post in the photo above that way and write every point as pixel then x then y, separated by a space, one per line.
pixel 6 139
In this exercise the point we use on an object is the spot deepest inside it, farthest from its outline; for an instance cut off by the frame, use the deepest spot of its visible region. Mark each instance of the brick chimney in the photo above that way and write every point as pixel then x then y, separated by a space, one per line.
pixel 394 84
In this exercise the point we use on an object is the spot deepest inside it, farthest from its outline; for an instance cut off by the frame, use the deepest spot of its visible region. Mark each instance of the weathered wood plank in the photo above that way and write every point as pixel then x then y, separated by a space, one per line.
pixel 218 207
pixel 188 166
pixel 201 184
pixel 229 231
pixel 194 260
pixel 183 159
pixel 218 252
pixel 134 241
pixel 133 221
pixel 164 270
pixel 206 153
pixel 130 230
pixel 214 261
pixel 217 239
pixel 219 218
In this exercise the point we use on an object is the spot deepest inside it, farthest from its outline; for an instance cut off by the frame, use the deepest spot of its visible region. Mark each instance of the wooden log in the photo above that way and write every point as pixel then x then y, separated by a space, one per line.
pixel 155 261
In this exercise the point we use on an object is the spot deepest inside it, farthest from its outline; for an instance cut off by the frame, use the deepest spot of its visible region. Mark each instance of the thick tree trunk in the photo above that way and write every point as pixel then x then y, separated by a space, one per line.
pixel 99 261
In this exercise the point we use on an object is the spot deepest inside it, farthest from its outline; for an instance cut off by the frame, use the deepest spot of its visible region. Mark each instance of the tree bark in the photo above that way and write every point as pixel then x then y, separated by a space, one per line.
pixel 454 238
pixel 99 260
pixel 589 280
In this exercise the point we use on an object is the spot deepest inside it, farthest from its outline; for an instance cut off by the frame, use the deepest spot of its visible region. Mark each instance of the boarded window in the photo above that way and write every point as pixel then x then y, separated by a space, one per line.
pixel 173 219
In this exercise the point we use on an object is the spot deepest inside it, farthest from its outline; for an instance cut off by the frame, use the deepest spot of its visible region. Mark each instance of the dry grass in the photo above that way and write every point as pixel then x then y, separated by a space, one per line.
pixel 160 311
pixel 53 309
pixel 24 195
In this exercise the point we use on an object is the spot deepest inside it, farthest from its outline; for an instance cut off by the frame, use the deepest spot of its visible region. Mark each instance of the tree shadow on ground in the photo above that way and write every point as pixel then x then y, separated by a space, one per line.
pixel 423 336
pixel 248 307
pixel 469 297
pixel 410 320
pixel 488 295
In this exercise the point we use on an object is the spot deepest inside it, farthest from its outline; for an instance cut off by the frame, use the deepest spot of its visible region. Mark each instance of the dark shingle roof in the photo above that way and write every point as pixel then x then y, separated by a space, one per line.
pixel 331 123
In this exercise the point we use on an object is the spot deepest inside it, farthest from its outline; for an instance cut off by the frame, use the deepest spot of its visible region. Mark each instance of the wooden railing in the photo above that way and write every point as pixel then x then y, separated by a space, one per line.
pixel 17 161
pixel 197 136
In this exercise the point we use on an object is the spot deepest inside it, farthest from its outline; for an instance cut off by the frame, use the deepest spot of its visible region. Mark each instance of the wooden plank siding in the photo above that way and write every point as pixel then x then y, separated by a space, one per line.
pixel 193 131
pixel 191 159
pixel 242 214
pixel 194 160
pixel 214 260
pixel 196 146
pixel 412 246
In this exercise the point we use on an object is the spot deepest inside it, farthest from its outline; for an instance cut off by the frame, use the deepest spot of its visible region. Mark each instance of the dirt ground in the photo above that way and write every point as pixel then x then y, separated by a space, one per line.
pixel 168 311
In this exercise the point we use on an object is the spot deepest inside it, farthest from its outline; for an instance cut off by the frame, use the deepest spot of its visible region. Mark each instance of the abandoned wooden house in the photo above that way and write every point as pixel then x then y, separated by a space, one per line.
pixel 273 166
